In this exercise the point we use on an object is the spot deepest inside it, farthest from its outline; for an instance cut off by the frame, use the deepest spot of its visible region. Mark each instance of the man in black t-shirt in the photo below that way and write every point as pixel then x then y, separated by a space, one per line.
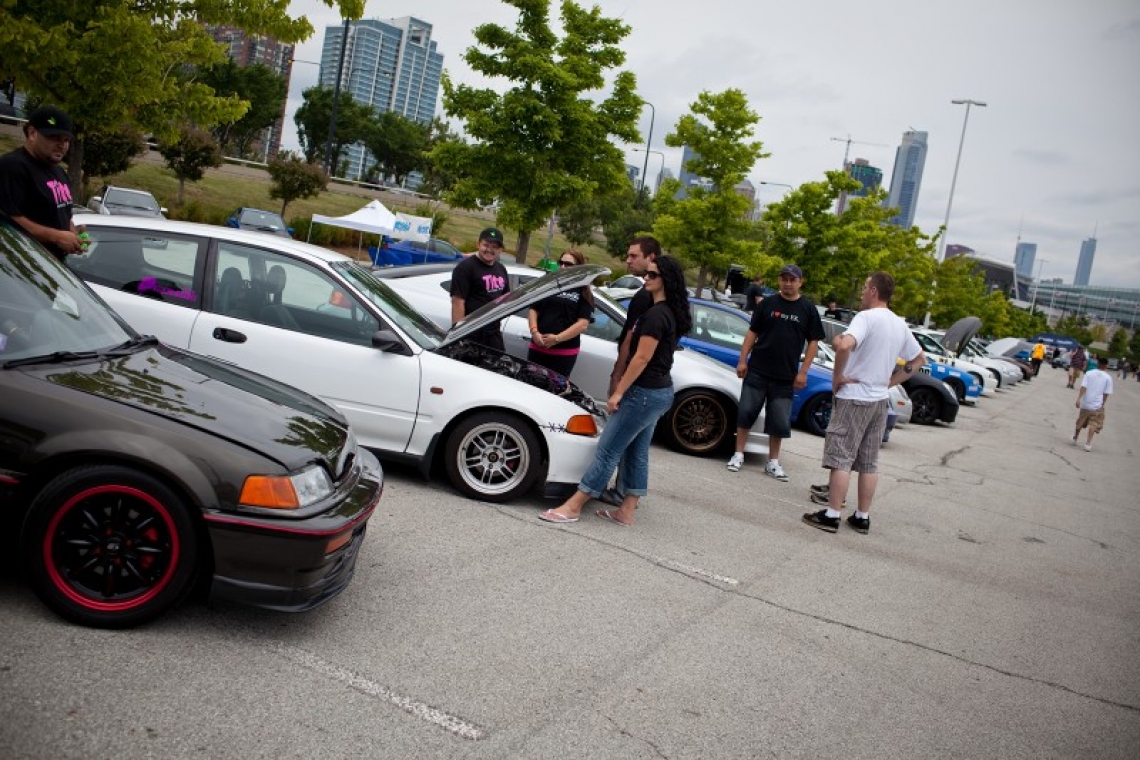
pixel 477 281
pixel 33 188
pixel 833 311
pixel 641 251
pixel 754 293
pixel 770 366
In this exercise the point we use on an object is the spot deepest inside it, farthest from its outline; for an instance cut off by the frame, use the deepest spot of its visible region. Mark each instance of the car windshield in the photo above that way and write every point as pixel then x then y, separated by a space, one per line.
pixel 130 199
pixel 421 329
pixel 44 310
pixel 253 218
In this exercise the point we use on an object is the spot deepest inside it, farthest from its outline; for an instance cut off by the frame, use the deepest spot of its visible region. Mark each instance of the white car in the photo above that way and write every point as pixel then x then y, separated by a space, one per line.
pixel 320 321
pixel 125 201
pixel 703 418
pixel 940 353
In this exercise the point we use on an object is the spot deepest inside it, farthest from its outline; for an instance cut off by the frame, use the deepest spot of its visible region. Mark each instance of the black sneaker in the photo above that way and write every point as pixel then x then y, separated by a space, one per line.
pixel 821 489
pixel 822 498
pixel 860 524
pixel 822 521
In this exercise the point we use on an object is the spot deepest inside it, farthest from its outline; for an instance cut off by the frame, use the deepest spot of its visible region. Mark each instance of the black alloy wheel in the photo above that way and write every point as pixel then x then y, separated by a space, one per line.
pixel 926 406
pixel 816 414
pixel 700 422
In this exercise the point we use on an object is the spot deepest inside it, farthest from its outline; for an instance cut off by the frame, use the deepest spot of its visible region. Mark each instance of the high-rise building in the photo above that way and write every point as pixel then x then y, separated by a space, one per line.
pixel 688 179
pixel 1084 264
pixel 664 174
pixel 871 177
pixel 1023 259
pixel 391 65
pixel 906 178
pixel 634 174
pixel 246 50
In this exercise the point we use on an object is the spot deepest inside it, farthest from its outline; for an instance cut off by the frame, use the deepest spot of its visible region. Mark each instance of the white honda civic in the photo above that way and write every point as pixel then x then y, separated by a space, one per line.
pixel 321 322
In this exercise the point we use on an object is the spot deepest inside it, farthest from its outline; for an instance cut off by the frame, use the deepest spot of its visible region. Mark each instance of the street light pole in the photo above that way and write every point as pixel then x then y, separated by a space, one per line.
pixel 647 152
pixel 954 179
pixel 336 97
pixel 648 140
pixel 1037 286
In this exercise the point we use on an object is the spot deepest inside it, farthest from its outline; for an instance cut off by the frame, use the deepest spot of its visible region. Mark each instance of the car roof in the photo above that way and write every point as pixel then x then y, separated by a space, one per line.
pixel 297 248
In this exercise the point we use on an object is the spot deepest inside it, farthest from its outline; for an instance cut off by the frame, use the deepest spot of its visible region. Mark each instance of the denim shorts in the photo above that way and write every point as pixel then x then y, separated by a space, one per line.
pixel 757 390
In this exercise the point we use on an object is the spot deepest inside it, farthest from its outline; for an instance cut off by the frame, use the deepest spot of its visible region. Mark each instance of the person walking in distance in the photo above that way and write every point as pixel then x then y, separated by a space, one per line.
pixel 643 393
pixel 33 188
pixel 478 280
pixel 1092 398
pixel 557 322
pixel 866 365
pixel 1077 364
pixel 770 366
pixel 1036 357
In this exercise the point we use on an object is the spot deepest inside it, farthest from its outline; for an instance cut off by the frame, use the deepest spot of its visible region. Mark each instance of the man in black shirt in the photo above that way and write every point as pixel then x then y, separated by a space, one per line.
pixel 33 188
pixel 476 281
pixel 754 293
pixel 770 366
pixel 833 311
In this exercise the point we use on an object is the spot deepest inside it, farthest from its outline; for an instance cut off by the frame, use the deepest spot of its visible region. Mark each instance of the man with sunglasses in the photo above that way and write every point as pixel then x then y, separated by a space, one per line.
pixel 34 191
pixel 477 281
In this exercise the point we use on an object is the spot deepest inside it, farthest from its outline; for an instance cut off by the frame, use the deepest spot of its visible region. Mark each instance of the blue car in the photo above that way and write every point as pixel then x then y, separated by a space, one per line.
pixel 718 332
pixel 964 385
pixel 433 251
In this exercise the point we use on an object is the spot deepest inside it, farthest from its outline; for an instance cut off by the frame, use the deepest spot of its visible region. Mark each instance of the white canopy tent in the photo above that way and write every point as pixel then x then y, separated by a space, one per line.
pixel 377 219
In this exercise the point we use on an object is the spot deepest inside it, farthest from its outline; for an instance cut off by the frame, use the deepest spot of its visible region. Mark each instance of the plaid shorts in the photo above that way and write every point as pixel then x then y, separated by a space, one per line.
pixel 854 435
pixel 1093 420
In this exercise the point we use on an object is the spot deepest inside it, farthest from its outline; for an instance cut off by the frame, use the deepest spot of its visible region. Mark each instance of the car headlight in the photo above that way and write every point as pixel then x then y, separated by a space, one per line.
pixel 286 491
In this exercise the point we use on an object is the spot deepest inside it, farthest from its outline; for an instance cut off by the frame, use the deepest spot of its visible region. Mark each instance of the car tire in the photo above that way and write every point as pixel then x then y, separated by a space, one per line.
pixel 958 387
pixel 926 406
pixel 816 414
pixel 700 422
pixel 998 378
pixel 978 379
pixel 493 457
pixel 109 546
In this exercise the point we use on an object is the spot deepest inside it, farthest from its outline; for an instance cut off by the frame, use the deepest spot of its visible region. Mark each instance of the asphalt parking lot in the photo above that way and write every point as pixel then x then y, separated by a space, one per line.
pixel 993 611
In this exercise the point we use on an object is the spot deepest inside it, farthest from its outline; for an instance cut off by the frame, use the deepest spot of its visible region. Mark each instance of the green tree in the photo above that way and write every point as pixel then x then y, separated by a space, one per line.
pixel 708 227
pixel 111 62
pixel 436 179
pixel 623 219
pixel 960 291
pixel 292 178
pixel 398 144
pixel 1118 343
pixel 578 221
pixel 190 155
pixel 354 121
pixel 1134 348
pixel 110 152
pixel 258 85
pixel 542 144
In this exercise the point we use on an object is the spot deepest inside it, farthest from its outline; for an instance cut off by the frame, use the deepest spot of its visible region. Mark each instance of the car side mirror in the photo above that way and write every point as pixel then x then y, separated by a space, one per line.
pixel 388 342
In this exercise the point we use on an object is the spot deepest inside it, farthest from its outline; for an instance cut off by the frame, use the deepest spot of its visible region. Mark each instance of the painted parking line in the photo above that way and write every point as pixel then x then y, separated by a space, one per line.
pixel 461 728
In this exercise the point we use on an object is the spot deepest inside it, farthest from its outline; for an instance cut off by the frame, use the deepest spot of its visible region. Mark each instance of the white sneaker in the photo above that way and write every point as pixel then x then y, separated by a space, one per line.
pixel 775 470
pixel 1088 447
pixel 736 462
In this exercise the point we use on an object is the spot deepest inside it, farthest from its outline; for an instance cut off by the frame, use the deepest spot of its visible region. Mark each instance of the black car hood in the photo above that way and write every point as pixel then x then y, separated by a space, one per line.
pixel 961 333
pixel 276 420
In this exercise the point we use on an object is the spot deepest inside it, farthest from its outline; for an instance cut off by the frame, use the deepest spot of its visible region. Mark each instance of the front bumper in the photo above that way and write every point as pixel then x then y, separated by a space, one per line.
pixel 570 457
pixel 289 565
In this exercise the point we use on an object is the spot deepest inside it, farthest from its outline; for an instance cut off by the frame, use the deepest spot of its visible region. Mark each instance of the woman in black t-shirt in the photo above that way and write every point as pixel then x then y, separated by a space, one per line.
pixel 557 322
pixel 642 395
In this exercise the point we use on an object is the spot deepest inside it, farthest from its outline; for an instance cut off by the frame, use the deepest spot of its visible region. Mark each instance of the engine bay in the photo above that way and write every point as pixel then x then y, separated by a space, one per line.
pixel 532 374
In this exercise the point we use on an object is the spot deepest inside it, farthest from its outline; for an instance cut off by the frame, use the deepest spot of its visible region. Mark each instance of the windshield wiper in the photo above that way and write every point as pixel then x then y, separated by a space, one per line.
pixel 56 357
pixel 131 346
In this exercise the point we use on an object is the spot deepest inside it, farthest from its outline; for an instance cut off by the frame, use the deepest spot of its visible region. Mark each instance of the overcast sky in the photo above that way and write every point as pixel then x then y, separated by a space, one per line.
pixel 1055 154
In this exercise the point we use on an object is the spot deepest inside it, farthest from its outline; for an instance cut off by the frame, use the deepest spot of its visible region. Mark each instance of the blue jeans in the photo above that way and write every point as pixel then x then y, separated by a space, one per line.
pixel 626 439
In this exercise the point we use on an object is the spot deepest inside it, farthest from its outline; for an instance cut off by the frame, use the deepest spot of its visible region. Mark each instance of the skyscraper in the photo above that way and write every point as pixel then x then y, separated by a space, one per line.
pixel 1084 264
pixel 391 65
pixel 1023 259
pixel 906 177
pixel 688 179
pixel 871 177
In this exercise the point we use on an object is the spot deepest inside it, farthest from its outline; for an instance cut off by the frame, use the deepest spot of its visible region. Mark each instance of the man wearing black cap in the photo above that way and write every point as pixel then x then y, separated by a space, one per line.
pixel 770 366
pixel 33 188
pixel 478 280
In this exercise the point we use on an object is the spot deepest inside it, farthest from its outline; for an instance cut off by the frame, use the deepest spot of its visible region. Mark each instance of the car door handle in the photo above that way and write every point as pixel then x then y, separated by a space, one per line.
pixel 229 336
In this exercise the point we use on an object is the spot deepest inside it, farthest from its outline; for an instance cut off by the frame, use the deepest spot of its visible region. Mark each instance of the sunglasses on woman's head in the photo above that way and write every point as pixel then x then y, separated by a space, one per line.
pixel 567 263
pixel 651 275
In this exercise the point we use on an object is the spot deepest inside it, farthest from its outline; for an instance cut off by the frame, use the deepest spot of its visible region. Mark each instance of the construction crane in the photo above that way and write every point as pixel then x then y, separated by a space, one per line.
pixel 847 150
pixel 841 201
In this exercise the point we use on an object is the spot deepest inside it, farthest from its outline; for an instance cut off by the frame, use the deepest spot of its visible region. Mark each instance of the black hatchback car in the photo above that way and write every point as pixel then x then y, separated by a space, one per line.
pixel 132 472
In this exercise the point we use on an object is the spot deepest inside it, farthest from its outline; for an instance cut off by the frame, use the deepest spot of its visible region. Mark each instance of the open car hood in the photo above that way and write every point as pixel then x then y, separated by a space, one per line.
pixel 961 333
pixel 529 293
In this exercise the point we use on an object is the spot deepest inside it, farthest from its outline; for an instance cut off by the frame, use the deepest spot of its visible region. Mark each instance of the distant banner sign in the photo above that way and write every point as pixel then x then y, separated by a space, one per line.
pixel 408 227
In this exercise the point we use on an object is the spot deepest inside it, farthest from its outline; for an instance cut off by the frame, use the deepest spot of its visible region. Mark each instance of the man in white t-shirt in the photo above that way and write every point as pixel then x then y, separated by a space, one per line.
pixel 1096 387
pixel 865 367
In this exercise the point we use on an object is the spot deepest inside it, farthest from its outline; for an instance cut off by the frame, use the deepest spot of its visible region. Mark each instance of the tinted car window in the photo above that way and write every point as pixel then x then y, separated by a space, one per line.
pixel 718 327
pixel 263 286
pixel 152 264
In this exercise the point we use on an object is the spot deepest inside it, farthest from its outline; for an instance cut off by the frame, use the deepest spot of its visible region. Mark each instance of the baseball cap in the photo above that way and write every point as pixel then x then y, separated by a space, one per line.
pixel 793 270
pixel 50 121
pixel 492 234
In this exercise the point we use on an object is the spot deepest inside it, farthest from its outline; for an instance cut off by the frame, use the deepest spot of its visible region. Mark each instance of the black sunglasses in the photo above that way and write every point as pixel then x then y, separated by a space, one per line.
pixel 567 263
pixel 651 275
